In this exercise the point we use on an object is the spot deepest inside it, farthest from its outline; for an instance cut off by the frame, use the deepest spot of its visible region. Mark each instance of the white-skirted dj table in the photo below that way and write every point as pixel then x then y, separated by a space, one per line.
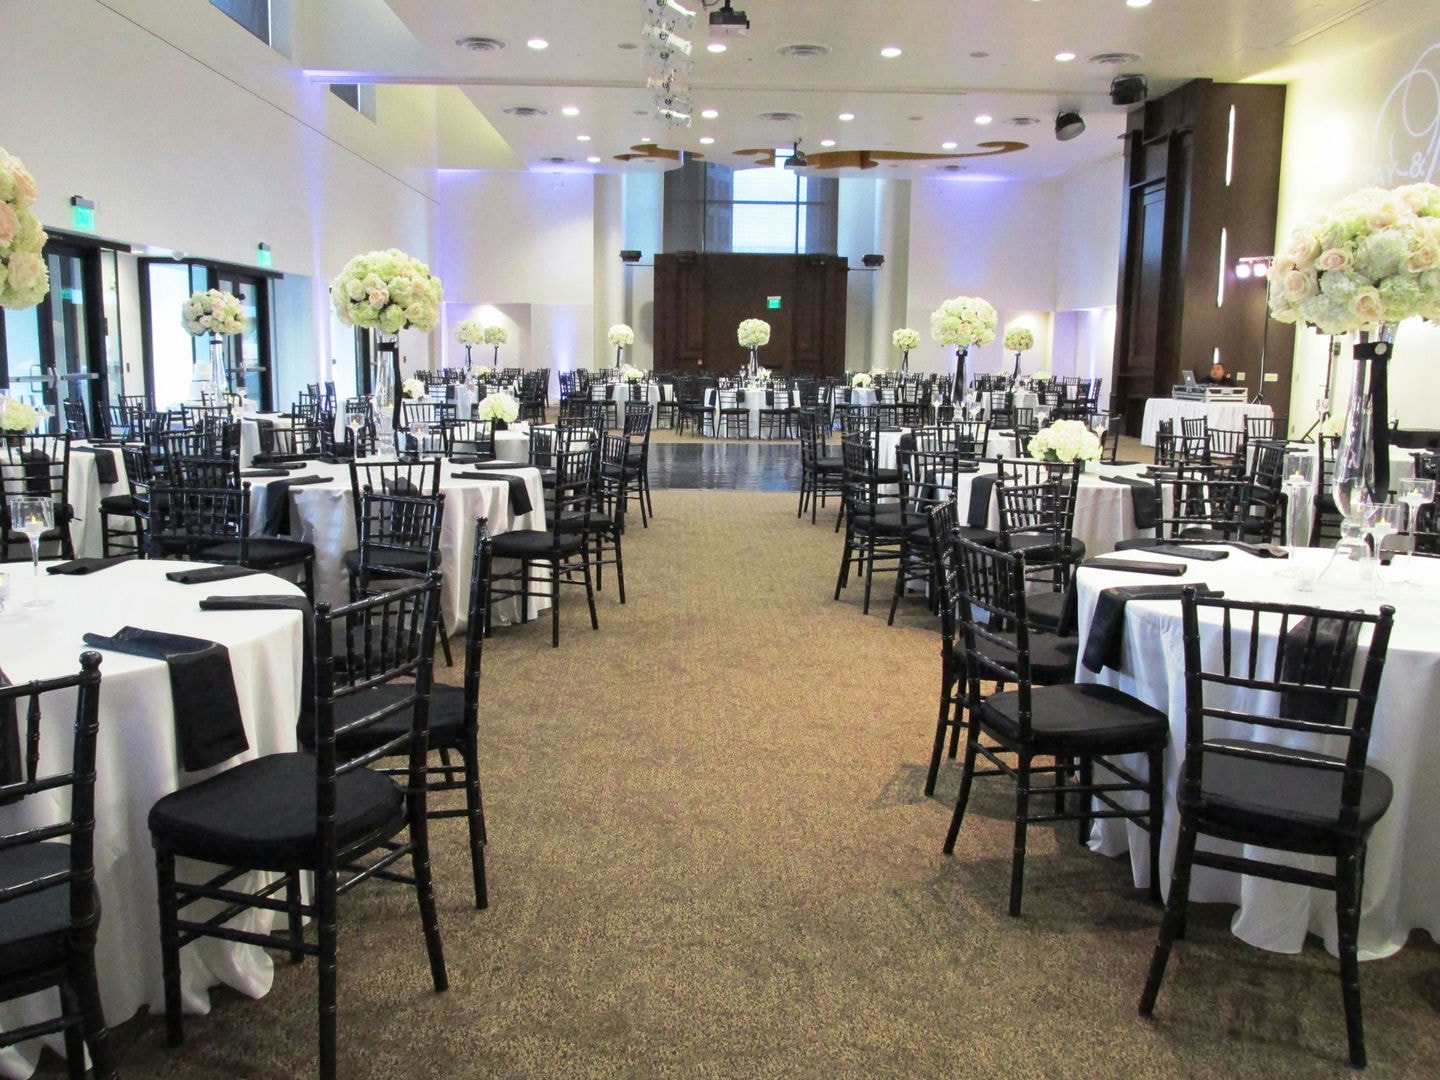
pixel 137 760
pixel 1402 870
pixel 1219 414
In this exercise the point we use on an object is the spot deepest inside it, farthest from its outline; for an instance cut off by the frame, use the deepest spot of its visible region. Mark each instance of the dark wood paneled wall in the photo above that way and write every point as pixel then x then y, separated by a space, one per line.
pixel 1177 203
pixel 700 298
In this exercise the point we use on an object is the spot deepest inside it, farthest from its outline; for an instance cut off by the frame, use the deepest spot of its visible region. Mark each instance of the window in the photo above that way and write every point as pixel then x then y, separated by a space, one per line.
pixel 359 96
pixel 768 214
pixel 253 15
pixel 778 210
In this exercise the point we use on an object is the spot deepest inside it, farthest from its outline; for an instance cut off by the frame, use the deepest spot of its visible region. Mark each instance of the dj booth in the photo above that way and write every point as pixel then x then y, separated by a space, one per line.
pixel 1221 406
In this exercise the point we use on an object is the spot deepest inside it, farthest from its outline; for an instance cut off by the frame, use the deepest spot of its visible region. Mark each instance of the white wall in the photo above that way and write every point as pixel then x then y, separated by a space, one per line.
pixel 1373 119
pixel 1087 236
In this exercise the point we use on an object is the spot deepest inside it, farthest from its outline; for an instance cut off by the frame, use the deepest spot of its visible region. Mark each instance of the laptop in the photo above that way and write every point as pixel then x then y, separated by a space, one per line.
pixel 1189 378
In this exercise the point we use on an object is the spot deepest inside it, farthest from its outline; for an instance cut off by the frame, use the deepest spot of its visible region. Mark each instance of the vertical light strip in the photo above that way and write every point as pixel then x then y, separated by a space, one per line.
pixel 1230 149
pixel 1220 277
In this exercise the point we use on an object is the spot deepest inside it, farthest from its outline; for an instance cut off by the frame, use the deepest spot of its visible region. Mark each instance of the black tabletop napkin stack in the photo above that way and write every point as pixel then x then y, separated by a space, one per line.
pixel 203 575
pixel 277 503
pixel 86 565
pixel 208 728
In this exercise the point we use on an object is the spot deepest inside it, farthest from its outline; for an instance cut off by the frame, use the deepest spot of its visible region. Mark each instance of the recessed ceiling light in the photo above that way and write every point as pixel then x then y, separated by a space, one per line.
pixel 715 47
pixel 979 55
pixel 582 138
pixel 827 142
pixel 983 118
pixel 647 139
pixel 627 45
pixel 890 52
pixel 570 110
pixel 593 160
pixel 538 43
pixel 1064 57
pixel 948 145
pixel 709 114
pixel 706 140
pixel 1137 3
pixel 846 116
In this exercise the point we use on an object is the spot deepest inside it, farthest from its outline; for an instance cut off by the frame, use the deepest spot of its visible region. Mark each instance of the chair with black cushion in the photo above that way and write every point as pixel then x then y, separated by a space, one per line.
pixel 1036 507
pixel 1225 448
pixel 305 439
pixel 560 555
pixel 734 418
pixel 1169 447
pixel 49 907
pixel 695 415
pixel 1266 499
pixel 969 437
pixel 874 523
pixel 1195 438
pixel 213 525
pixel 821 472
pixel 1195 505
pixel 636 422
pixel 316 811
pixel 36 465
pixel 393 478
pixel 667 409
pixel 1277 732
pixel 777 414
pixel 469 438
pixel 1065 723
pixel 605 525
pixel 1266 427
pixel 121 538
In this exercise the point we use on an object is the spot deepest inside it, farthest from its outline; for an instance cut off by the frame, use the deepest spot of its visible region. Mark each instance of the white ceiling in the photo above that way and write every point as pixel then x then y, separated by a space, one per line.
pixel 960 60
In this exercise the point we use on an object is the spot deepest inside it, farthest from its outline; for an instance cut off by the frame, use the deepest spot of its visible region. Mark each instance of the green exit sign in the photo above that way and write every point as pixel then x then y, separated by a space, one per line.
pixel 263 256
pixel 82 214
pixel 772 303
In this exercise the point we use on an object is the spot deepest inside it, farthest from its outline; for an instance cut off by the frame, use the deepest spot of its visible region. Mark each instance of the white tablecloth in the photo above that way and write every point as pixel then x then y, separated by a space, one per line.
pixel 1402 872
pixel 1219 414
pixel 86 491
pixel 324 515
pixel 137 760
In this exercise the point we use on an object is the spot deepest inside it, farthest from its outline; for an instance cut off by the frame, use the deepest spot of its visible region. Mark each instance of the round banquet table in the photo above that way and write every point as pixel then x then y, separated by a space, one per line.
pixel 137 760
pixel 1402 870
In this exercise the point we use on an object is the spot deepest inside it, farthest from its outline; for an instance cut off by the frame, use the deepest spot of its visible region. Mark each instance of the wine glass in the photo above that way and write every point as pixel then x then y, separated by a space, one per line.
pixel 33 515
pixel 1415 492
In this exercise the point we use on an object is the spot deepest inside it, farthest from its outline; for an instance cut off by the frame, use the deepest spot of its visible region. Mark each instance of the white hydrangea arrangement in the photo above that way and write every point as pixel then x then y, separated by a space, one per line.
pixel 861 379
pixel 963 321
pixel 1019 339
pixel 17 416
pixel 632 374
pixel 212 312
pixel 752 333
pixel 481 372
pixel 905 339
pixel 387 290
pixel 496 335
pixel 1065 440
pixel 762 373
pixel 498 406
pixel 621 335
pixel 1373 257
pixel 412 389
pixel 24 278
pixel 470 332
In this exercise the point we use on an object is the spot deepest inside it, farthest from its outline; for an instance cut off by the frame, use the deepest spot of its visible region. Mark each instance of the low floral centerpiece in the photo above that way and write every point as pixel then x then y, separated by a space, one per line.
pixel 1365 264
pixel 17 417
pixel 499 407
pixel 905 339
pixel 752 333
pixel 963 321
pixel 1065 441
pixel 621 335
pixel 412 389
pixel 631 374
pixel 861 379
pixel 24 279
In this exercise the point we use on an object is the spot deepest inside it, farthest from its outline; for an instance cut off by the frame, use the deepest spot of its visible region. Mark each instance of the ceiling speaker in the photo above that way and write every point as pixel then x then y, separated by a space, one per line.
pixel 874 261
pixel 1128 90
pixel 630 255
pixel 1068 125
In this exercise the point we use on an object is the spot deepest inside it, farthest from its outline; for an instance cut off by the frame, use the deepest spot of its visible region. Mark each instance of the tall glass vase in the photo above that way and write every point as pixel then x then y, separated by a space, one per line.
pixel 1362 460
pixel 219 383
pixel 618 350
pixel 904 361
pixel 384 396
pixel 961 351
pixel 753 371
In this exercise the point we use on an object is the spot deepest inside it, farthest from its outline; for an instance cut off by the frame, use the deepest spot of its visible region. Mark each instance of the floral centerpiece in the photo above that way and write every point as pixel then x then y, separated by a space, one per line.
pixel 212 312
pixel 905 339
pixel 1066 441
pixel 412 389
pixel 620 336
pixel 631 374
pixel 17 417
pixel 762 373
pixel 752 333
pixel 496 336
pixel 1019 339
pixel 24 279
pixel 861 378
pixel 498 406
pixel 963 321
pixel 1370 261
pixel 469 332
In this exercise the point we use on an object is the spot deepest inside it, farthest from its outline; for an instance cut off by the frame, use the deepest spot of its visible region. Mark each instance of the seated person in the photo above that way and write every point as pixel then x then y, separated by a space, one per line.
pixel 1218 376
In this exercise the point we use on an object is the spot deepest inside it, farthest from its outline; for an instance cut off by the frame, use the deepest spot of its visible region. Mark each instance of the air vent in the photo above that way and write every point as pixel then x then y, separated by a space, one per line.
pixel 1115 59
pixel 953 168
pixel 480 44
pixel 557 161
pixel 527 110
pixel 1023 121
pixel 780 117
pixel 804 52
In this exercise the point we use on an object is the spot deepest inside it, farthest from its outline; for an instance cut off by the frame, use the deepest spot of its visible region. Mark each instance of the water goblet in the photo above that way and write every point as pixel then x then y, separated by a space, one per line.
pixel 1100 423
pixel 33 515
pixel 1382 519
pixel 1415 492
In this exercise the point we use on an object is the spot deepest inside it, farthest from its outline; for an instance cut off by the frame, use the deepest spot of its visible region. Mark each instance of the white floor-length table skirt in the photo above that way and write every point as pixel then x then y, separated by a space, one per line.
pixel 1225 415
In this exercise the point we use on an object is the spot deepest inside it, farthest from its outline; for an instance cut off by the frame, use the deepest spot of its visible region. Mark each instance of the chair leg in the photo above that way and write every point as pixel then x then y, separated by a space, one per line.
pixel 1348 874
pixel 1022 824
pixel 445 641
pixel 475 822
pixel 619 567
pixel 967 776
pixel 169 946
pixel 328 934
pixel 1156 794
pixel 97 1036
pixel 942 723
pixel 294 915
pixel 74 1037
pixel 425 896
pixel 1172 926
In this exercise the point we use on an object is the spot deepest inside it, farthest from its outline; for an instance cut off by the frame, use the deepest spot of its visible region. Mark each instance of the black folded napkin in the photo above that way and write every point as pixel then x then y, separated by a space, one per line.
pixel 277 503
pixel 12 762
pixel 281 602
pixel 1135 566
pixel 1104 646
pixel 105 470
pixel 980 488
pixel 208 728
pixel 1118 464
pixel 279 463
pixel 334 459
pixel 1143 498
pixel 86 565
pixel 519 493
pixel 1330 655
pixel 36 464
pixel 494 466
pixel 259 474
pixel 1199 554
pixel 201 575
pixel 1260 551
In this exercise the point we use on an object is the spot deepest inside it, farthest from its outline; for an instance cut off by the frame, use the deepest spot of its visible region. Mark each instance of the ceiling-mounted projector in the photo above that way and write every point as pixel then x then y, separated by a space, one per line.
pixel 728 22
